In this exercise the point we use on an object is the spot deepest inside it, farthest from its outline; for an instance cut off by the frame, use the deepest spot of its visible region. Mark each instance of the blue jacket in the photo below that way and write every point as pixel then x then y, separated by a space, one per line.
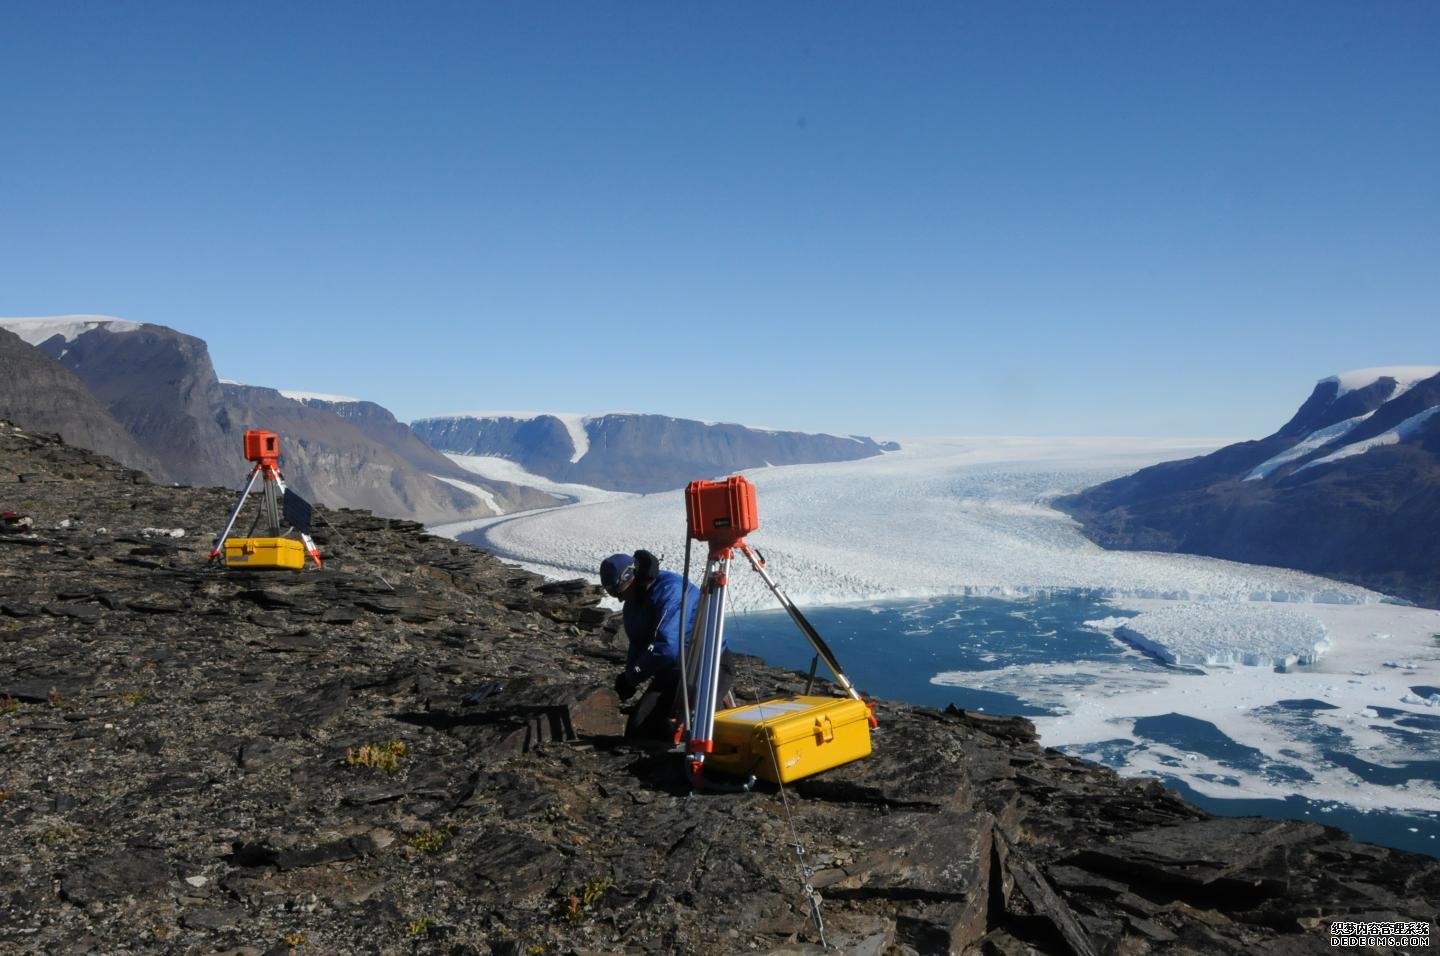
pixel 652 624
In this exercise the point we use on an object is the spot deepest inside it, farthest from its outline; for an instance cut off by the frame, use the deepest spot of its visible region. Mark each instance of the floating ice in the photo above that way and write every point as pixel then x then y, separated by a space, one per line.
pixel 1205 635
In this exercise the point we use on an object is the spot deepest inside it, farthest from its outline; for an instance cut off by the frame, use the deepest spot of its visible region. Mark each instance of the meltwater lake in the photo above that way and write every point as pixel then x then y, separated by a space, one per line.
pixel 898 650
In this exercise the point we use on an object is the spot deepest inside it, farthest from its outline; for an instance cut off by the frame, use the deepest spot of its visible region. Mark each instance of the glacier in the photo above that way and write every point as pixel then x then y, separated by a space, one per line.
pixel 969 516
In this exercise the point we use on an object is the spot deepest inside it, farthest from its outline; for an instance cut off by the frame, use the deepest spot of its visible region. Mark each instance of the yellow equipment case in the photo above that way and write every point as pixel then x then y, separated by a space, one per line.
pixel 264 553
pixel 798 735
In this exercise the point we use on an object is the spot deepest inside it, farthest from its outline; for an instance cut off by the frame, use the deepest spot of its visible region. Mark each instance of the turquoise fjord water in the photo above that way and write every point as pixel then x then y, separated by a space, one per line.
pixel 893 649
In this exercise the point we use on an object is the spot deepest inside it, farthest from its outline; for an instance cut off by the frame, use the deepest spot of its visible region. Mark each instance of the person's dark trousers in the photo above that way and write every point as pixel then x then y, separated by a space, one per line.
pixel 661 700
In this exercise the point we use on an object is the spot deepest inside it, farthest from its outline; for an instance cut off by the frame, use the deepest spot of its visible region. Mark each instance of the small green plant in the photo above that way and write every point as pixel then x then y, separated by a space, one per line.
pixel 385 756
pixel 135 698
pixel 55 835
pixel 8 704
pixel 6 795
pixel 294 940
pixel 429 841
pixel 418 927
pixel 55 698
pixel 586 898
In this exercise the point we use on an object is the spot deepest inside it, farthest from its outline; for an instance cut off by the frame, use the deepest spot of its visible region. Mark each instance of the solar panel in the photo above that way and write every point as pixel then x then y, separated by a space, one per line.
pixel 297 511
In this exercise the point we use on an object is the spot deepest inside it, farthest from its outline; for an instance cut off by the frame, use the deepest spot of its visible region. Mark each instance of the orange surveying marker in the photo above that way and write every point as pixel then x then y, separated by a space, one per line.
pixel 722 513
pixel 275 549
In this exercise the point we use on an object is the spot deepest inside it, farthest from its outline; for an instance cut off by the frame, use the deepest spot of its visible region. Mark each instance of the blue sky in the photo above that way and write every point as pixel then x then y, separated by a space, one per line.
pixel 891 219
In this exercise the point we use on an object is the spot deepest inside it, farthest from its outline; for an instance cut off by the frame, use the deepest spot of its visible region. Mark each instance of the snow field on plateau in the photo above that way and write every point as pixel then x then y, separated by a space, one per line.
pixel 969 517
pixel 36 331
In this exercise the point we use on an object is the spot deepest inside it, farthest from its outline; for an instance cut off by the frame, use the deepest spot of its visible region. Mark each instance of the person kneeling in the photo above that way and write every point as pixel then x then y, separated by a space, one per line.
pixel 652 600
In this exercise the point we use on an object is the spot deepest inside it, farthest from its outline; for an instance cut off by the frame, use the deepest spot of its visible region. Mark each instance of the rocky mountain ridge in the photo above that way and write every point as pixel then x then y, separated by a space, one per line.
pixel 1348 488
pixel 415 750
pixel 633 452
pixel 183 425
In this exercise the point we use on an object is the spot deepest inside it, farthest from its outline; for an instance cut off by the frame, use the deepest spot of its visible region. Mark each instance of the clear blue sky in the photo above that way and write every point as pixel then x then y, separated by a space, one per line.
pixel 884 218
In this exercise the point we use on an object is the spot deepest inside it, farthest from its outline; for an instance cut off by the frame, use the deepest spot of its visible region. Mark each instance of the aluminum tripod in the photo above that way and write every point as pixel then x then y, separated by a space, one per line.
pixel 710 626
pixel 272 490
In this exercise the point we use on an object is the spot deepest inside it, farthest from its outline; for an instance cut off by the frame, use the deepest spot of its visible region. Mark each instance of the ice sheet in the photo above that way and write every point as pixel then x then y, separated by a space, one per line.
pixel 941 516
pixel 38 330
pixel 316 396
pixel 1405 377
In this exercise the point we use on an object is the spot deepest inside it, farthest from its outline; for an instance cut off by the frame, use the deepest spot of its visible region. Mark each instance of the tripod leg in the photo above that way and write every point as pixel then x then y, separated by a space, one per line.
pixel 702 722
pixel 806 628
pixel 272 503
pixel 220 541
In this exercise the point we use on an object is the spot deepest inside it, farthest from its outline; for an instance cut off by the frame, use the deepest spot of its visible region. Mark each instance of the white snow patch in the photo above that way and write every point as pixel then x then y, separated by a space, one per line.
pixel 484 494
pixel 1207 635
pixel 1393 436
pixel 1405 376
pixel 575 425
pixel 38 330
pixel 1305 446
pixel 517 416
pixel 503 469
pixel 315 396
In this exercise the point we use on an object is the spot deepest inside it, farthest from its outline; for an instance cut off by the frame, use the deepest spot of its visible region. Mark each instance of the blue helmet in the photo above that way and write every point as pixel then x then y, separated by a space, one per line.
pixel 617 571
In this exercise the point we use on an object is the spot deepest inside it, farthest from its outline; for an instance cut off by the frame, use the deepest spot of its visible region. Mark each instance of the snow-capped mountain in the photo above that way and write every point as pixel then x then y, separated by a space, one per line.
pixel 631 452
pixel 1349 487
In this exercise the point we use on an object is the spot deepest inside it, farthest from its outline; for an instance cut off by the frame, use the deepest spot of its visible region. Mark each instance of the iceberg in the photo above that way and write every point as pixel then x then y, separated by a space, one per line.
pixel 1208 635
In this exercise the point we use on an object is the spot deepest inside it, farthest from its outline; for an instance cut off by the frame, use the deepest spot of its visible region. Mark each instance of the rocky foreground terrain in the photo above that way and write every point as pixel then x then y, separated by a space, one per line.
pixel 415 750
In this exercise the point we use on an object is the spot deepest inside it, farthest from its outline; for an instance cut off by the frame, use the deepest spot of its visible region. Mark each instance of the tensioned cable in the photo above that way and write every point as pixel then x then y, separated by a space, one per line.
pixel 802 868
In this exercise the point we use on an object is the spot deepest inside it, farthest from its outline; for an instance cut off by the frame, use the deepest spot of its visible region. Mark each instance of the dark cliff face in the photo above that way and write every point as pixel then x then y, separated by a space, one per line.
pixel 159 389
pixel 375 423
pixel 38 393
pixel 161 386
pixel 201 761
pixel 642 453
pixel 1370 517
pixel 332 461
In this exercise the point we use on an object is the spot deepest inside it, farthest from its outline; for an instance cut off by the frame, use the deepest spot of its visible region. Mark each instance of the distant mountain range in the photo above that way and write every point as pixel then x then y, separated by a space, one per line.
pixel 1348 488
pixel 149 397
pixel 632 452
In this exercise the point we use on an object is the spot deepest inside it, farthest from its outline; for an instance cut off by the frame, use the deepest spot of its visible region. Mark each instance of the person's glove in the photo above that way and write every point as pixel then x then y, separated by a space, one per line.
pixel 624 686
